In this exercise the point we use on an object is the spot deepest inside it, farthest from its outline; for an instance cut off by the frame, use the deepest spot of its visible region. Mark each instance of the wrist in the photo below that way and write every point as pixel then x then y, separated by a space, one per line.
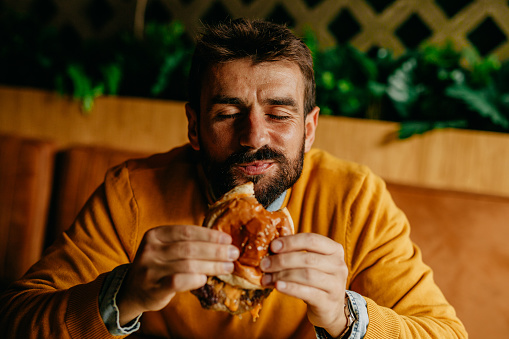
pixel 337 329
pixel 341 327
pixel 347 321
pixel 128 309
pixel 360 320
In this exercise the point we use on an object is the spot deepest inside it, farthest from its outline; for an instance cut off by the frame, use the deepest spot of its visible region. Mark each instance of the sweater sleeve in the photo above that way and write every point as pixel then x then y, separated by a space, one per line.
pixel 402 298
pixel 58 296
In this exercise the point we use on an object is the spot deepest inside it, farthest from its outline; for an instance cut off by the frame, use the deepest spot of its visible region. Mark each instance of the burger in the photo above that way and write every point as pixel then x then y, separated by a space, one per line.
pixel 252 228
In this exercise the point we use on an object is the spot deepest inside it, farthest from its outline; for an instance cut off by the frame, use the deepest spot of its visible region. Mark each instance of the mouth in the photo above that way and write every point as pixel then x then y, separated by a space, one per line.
pixel 255 167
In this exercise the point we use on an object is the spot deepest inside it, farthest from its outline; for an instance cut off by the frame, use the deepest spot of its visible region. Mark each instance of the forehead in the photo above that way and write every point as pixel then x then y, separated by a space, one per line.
pixel 243 79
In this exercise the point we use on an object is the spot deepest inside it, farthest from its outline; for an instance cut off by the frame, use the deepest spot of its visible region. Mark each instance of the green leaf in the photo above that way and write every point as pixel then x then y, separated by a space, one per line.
pixel 171 62
pixel 481 69
pixel 345 85
pixel 409 128
pixel 401 88
pixel 377 89
pixel 310 39
pixel 478 102
pixel 328 80
pixel 450 124
pixel 445 57
pixel 87 101
pixel 112 75
pixel 326 111
pixel 81 83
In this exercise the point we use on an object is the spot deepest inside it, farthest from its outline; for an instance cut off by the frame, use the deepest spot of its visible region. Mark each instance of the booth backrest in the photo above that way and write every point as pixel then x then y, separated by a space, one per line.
pixel 464 238
pixel 26 173
pixel 79 171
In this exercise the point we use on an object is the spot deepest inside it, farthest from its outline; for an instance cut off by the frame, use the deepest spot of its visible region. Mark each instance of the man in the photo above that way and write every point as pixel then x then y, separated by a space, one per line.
pixel 135 252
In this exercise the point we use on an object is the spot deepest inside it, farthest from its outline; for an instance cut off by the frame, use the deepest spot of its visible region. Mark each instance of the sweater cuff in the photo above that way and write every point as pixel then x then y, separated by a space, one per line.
pixel 108 303
pixel 82 317
pixel 383 322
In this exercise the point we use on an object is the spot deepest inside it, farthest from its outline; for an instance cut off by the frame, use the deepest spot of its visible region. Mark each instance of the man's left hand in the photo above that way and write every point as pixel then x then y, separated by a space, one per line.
pixel 310 267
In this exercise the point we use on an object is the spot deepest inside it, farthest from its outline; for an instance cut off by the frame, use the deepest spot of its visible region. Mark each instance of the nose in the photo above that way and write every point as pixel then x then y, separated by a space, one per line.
pixel 254 131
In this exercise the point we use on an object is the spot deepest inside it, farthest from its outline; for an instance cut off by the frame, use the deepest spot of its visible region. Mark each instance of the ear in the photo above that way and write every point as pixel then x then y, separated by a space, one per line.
pixel 310 128
pixel 192 127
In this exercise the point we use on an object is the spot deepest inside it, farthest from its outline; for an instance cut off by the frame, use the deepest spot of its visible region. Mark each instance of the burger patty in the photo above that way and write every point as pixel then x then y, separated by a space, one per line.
pixel 221 296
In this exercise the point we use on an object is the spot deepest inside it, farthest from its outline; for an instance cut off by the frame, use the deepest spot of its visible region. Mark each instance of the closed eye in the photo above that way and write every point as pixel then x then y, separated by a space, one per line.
pixel 279 117
pixel 228 115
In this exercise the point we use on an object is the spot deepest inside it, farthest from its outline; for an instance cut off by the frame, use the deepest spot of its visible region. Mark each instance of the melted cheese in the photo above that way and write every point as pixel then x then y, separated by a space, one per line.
pixel 255 312
pixel 232 297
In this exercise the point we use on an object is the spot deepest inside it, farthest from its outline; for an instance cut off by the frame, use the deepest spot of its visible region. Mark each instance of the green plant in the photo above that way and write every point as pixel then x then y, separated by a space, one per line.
pixel 429 88
pixel 154 65
pixel 439 87
pixel 346 79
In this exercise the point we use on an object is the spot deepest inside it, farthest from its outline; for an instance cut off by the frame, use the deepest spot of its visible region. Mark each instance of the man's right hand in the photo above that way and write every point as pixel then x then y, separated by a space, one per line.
pixel 172 259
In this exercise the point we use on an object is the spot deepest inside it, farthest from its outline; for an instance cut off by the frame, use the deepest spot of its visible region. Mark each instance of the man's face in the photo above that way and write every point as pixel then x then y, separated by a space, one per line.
pixel 252 127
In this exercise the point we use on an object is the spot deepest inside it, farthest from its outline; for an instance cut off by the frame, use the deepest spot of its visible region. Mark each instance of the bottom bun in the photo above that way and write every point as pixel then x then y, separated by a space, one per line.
pixel 218 295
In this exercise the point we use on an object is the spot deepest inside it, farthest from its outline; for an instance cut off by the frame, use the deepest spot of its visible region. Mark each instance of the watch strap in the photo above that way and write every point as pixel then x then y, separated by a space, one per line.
pixel 350 317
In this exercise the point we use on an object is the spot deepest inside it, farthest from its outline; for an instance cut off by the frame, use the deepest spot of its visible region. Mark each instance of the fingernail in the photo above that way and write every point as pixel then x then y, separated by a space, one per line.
pixel 228 267
pixel 266 279
pixel 276 245
pixel 265 263
pixel 233 253
pixel 281 285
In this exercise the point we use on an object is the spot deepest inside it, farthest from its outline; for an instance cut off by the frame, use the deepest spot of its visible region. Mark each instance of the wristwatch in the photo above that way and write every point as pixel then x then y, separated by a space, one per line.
pixel 350 317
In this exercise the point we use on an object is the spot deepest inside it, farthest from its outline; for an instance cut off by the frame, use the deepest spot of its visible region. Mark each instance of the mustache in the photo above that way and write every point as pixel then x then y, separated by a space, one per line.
pixel 244 155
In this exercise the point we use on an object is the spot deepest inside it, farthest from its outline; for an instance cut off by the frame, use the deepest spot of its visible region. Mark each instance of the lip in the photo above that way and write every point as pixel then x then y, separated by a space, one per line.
pixel 256 167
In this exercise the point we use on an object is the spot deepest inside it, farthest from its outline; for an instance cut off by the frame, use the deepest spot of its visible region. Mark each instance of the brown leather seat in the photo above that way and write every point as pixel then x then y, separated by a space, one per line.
pixel 463 237
pixel 80 170
pixel 26 173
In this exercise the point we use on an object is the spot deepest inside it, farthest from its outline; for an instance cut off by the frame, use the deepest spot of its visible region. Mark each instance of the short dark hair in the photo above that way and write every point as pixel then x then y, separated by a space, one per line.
pixel 259 40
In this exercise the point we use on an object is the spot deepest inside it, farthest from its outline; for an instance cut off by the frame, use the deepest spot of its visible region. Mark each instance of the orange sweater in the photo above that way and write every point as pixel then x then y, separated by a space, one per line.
pixel 58 297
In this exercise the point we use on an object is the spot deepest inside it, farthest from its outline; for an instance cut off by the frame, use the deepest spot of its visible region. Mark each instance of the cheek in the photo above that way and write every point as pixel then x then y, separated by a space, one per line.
pixel 289 137
pixel 218 140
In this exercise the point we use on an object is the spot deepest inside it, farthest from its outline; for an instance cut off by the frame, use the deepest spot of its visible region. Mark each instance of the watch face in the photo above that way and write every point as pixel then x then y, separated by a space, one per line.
pixel 351 320
pixel 350 314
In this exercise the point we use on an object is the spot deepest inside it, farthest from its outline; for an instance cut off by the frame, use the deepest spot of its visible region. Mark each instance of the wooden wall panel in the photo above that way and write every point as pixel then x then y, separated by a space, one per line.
pixel 450 159
pixel 129 123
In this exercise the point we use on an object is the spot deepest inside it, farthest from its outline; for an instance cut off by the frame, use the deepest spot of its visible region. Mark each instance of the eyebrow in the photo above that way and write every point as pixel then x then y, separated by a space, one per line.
pixel 221 99
pixel 290 102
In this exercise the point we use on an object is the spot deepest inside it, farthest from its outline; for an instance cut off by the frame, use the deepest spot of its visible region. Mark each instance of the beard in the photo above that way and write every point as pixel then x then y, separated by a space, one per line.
pixel 223 176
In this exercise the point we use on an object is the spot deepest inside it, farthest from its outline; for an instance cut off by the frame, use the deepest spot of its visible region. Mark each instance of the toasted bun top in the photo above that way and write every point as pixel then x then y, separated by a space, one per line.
pixel 252 228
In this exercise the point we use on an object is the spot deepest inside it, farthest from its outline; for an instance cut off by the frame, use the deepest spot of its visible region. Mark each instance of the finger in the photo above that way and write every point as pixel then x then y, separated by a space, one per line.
pixel 168 234
pixel 210 268
pixel 196 250
pixel 308 294
pixel 326 263
pixel 305 242
pixel 155 274
pixel 184 282
pixel 305 277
